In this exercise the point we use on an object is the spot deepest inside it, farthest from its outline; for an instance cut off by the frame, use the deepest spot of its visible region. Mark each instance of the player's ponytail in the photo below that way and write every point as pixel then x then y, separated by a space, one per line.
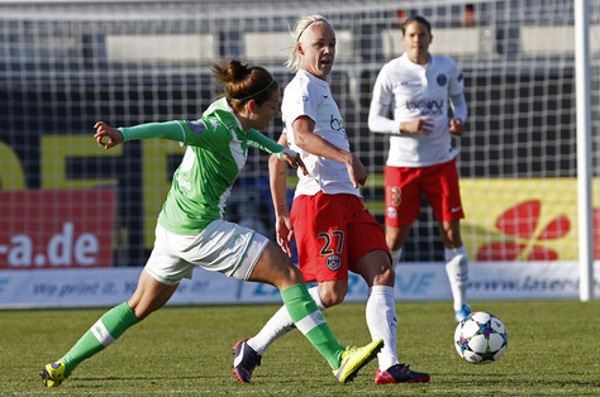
pixel 243 83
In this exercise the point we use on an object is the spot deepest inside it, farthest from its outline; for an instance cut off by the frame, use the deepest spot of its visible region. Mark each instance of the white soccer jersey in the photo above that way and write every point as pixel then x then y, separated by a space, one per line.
pixel 307 95
pixel 412 91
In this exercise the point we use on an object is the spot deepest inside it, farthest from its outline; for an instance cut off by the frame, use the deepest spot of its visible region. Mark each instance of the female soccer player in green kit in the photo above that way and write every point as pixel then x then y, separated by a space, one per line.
pixel 191 230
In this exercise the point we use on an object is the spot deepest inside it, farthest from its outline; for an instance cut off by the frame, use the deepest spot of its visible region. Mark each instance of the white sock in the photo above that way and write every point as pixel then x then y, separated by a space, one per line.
pixel 278 325
pixel 458 274
pixel 396 255
pixel 382 323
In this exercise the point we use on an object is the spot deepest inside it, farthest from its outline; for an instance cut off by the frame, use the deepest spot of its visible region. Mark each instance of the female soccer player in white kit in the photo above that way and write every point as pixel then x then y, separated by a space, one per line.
pixel 418 89
pixel 334 232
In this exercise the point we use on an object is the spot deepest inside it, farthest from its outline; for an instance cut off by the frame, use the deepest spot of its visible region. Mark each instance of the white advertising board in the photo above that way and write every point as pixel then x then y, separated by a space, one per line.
pixel 414 282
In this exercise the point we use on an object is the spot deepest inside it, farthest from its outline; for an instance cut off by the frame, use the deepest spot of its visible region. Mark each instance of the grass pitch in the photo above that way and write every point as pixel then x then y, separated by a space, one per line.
pixel 554 349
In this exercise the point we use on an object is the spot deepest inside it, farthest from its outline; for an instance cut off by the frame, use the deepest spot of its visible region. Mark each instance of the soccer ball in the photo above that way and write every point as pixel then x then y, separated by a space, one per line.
pixel 480 338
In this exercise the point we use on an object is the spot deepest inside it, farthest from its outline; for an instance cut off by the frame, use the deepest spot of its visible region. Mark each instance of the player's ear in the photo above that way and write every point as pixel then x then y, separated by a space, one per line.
pixel 299 48
pixel 251 106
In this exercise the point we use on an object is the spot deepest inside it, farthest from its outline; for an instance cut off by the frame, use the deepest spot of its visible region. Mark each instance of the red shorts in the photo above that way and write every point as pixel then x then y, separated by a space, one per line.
pixel 332 233
pixel 404 187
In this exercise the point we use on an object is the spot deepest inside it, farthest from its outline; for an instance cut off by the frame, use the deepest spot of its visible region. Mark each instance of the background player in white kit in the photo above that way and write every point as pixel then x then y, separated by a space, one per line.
pixel 417 89
pixel 334 232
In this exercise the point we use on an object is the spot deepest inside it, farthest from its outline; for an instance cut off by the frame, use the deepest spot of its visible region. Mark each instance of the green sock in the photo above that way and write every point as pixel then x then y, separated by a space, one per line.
pixel 105 331
pixel 310 321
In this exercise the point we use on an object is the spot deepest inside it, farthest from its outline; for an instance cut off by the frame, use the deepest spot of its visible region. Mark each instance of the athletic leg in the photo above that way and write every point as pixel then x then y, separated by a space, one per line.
pixel 149 296
pixel 275 268
pixel 375 269
pixel 278 325
pixel 443 193
pixel 395 237
pixel 457 267
pixel 403 206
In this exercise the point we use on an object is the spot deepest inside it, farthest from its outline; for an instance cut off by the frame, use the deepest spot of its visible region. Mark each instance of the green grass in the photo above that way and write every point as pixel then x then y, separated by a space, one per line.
pixel 554 349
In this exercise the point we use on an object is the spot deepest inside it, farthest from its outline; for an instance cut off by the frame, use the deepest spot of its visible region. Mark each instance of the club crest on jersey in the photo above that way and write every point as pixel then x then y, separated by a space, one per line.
pixel 392 213
pixel 197 127
pixel 442 79
pixel 334 262
pixel 460 78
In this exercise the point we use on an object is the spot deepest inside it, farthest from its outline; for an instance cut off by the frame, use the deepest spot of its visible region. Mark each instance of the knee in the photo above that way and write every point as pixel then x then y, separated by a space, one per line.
pixel 330 300
pixel 285 278
pixel 275 268
pixel 295 276
pixel 393 240
pixel 387 276
pixel 451 234
pixel 143 304
pixel 332 297
pixel 396 236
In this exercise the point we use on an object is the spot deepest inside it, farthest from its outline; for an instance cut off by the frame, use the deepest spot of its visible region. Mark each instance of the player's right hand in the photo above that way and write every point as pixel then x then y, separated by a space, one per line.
pixel 423 126
pixel 106 136
pixel 285 234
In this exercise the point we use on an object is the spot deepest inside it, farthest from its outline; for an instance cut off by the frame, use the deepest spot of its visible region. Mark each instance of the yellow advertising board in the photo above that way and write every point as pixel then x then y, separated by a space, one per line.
pixel 524 219
pixel 520 219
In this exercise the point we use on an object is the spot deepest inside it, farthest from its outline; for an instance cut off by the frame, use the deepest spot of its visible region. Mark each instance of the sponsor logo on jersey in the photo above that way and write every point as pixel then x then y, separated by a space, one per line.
pixel 426 107
pixel 334 262
pixel 336 124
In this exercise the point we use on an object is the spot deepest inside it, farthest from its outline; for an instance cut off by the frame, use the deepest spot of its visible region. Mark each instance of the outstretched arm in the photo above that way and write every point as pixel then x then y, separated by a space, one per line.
pixel 107 136
pixel 279 151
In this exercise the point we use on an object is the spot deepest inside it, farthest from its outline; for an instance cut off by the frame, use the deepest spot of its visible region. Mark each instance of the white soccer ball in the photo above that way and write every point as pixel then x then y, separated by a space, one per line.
pixel 480 338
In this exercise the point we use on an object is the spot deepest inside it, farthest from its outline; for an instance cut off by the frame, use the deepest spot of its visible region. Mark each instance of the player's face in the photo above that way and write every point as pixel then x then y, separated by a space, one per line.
pixel 416 42
pixel 317 49
pixel 263 114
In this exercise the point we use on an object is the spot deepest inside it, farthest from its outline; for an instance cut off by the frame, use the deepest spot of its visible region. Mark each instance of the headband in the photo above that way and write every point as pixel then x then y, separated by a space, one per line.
pixel 306 27
pixel 256 93
pixel 316 20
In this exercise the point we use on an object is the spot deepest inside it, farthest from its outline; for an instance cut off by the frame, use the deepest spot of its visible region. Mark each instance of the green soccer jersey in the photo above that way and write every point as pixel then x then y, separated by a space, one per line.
pixel 217 149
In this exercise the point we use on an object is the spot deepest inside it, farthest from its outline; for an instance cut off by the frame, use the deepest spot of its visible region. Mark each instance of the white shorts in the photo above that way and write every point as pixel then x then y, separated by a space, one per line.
pixel 223 247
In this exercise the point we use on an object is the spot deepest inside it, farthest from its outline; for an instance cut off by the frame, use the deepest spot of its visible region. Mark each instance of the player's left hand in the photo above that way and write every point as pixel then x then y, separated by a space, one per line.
pixel 356 171
pixel 457 127
pixel 294 160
